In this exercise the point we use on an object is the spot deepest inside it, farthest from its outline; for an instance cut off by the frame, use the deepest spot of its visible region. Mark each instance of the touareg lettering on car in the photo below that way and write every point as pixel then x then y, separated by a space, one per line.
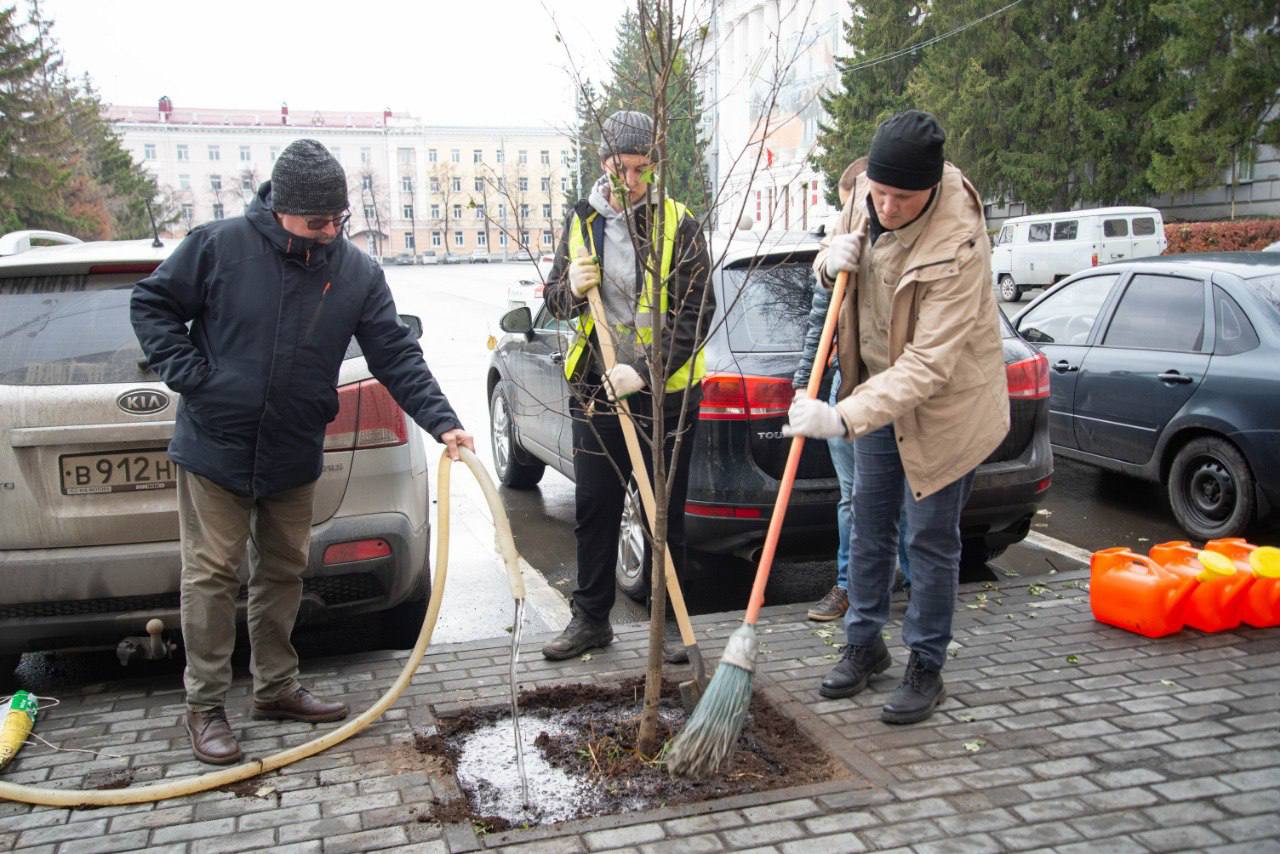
pixel 143 401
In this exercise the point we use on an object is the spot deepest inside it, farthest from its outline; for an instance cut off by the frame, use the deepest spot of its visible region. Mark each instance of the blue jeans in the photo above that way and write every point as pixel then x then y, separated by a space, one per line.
pixel 842 459
pixel 933 544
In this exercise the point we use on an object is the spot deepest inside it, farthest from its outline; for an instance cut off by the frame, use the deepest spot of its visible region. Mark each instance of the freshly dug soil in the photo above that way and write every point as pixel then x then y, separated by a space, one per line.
pixel 597 748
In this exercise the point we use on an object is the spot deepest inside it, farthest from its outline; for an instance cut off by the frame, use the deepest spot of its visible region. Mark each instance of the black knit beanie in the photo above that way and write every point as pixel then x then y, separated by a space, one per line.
pixel 307 179
pixel 906 151
pixel 626 132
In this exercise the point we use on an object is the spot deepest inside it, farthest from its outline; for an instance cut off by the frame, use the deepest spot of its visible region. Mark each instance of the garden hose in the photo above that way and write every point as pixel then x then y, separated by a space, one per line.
pixel 213 779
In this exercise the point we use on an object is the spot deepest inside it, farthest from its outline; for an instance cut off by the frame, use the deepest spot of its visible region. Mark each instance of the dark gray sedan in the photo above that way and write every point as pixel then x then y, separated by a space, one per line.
pixel 1167 369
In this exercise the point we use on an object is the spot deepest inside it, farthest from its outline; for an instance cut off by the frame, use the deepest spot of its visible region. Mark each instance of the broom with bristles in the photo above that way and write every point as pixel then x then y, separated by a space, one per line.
pixel 708 738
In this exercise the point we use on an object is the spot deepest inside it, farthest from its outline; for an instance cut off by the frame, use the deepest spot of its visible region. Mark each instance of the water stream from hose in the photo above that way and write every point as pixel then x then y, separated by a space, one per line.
pixel 517 628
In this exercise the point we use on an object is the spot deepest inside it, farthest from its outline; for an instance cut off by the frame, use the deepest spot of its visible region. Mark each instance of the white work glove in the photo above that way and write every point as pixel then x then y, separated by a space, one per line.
pixel 845 250
pixel 621 381
pixel 584 274
pixel 813 419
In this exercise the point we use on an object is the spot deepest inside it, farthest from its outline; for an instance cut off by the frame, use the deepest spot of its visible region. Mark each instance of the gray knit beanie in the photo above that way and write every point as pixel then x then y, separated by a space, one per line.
pixel 626 132
pixel 307 179
pixel 906 151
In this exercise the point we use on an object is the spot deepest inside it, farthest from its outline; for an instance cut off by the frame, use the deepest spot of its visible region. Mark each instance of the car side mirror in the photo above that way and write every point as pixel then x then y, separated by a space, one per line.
pixel 414 323
pixel 518 320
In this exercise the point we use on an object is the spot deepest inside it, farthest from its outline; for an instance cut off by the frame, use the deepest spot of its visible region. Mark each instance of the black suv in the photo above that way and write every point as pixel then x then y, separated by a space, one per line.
pixel 763 294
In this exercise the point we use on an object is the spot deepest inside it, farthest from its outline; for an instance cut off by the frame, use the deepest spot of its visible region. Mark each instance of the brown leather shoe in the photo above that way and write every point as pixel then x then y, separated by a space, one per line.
pixel 211 738
pixel 301 705
pixel 830 607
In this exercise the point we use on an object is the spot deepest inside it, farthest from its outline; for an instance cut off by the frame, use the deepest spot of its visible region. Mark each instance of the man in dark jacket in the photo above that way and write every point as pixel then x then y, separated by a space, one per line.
pixel 651 265
pixel 272 298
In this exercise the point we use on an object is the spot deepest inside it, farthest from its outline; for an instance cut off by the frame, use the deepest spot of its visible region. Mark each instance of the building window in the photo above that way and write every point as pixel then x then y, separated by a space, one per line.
pixel 149 151
pixel 184 182
pixel 431 155
pixel 546 184
pixel 546 211
pixel 546 238
pixel 366 182
pixel 246 154
pixel 364 156
pixel 564 185
pixel 406 184
pixel 479 211
pixel 456 185
pixel 524 238
pixel 524 212
pixel 502 211
pixel 408 240
pixel 477 155
pixel 215 182
pixel 217 210
pixel 524 185
pixel 435 185
pixel 499 156
pixel 407 211
pixel 183 153
pixel 275 152
pixel 564 158
pixel 502 238
pixel 482 239
pixel 479 185
pixel 246 181
pixel 457 238
pixel 455 155
pixel 457 211
pixel 545 157
pixel 435 238
pixel 404 155
pixel 524 156
pixel 502 185
pixel 435 211
pixel 369 213
pixel 215 153
pixel 188 212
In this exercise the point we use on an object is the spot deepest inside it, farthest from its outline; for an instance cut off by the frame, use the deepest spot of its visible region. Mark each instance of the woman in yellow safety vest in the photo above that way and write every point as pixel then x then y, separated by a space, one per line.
pixel 652 269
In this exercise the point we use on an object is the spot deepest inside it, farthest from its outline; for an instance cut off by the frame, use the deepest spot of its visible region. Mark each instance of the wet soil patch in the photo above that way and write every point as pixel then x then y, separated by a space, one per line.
pixel 579 745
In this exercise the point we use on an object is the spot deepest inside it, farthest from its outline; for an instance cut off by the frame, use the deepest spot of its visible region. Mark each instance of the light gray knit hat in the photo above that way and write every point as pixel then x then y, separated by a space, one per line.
pixel 307 179
pixel 626 132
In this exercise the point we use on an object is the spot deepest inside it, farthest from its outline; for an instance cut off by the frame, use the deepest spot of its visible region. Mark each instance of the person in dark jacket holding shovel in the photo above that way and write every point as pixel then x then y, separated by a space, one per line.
pixel 647 279
pixel 273 299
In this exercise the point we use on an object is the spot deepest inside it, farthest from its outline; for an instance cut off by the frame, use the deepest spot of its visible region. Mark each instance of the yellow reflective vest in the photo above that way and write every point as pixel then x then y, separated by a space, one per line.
pixel 580 237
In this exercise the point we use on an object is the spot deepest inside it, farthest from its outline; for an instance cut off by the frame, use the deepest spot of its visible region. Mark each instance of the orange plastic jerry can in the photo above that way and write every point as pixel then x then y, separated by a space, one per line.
pixel 1214 603
pixel 1260 606
pixel 1132 592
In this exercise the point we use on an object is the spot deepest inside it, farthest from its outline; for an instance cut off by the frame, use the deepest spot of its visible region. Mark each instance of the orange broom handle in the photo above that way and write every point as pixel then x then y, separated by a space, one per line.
pixel 793 456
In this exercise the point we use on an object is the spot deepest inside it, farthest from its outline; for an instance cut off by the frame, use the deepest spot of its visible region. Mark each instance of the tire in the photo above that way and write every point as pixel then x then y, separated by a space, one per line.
pixel 512 464
pixel 634 552
pixel 402 624
pixel 8 664
pixel 1211 489
pixel 1009 290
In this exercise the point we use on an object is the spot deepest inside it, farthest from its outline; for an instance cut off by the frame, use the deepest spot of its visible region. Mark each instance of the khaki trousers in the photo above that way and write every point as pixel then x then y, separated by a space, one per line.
pixel 215 525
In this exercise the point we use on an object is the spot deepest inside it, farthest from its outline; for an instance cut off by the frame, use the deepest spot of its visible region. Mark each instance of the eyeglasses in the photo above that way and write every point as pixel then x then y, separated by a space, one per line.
pixel 339 221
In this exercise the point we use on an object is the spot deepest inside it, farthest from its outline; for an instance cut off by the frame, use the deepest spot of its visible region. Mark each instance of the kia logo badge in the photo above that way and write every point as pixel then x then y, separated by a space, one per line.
pixel 143 401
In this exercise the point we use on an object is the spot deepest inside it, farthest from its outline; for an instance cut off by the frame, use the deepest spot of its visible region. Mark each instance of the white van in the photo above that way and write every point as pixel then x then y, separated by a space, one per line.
pixel 1036 251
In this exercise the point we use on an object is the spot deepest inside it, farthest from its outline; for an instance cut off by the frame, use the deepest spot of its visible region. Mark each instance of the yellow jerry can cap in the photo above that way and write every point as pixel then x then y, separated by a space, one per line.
pixel 1265 562
pixel 1215 564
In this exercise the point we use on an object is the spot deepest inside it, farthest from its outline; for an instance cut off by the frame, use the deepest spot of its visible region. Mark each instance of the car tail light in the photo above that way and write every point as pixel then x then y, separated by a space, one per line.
pixel 722 511
pixel 734 397
pixel 1029 378
pixel 356 550
pixel 368 417
pixel 1093 262
pixel 1042 485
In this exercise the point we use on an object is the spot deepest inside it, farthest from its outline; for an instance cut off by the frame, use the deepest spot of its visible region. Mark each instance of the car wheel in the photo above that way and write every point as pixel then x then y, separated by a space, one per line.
pixel 1211 489
pixel 8 664
pixel 1009 290
pixel 634 553
pixel 402 624
pixel 509 459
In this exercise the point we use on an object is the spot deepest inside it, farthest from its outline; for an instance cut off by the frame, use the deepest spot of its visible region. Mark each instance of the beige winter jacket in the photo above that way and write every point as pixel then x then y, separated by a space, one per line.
pixel 945 390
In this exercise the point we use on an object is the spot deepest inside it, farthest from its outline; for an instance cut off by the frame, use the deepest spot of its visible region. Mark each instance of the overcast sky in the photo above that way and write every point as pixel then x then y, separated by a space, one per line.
pixel 446 61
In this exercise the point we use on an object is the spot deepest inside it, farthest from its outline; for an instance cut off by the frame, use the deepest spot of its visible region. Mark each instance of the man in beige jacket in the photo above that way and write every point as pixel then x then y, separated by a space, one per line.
pixel 923 391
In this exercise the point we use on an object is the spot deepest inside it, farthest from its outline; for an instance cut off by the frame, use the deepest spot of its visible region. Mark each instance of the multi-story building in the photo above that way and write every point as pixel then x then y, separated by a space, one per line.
pixel 413 186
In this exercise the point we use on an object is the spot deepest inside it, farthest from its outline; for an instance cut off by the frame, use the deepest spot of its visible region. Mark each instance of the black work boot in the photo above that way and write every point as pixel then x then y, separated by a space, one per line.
pixel 855 669
pixel 211 738
pixel 915 699
pixel 579 636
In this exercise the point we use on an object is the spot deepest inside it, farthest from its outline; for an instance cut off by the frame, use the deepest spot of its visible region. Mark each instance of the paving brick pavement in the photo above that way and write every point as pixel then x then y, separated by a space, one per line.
pixel 1058 734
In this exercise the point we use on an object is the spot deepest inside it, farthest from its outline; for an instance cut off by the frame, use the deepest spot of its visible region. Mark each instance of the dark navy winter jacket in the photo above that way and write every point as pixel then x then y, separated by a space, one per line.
pixel 271 315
